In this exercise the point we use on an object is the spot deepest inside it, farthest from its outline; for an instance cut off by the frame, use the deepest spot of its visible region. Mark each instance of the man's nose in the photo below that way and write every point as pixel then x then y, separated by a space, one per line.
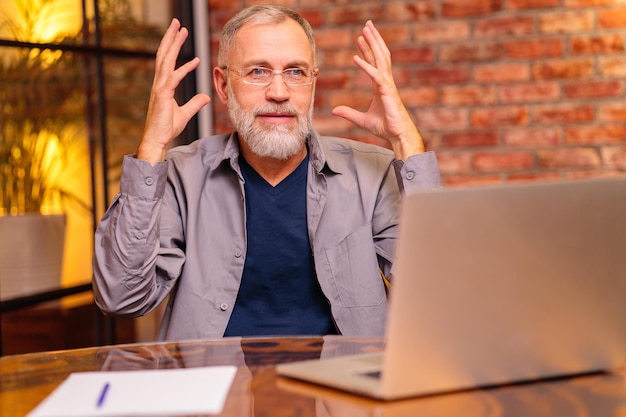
pixel 277 89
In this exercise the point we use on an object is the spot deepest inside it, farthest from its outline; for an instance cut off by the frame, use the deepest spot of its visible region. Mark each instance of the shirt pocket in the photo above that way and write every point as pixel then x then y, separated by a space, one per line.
pixel 355 271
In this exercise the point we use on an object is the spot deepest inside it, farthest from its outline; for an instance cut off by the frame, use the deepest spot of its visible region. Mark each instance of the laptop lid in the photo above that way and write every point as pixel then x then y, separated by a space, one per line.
pixel 499 284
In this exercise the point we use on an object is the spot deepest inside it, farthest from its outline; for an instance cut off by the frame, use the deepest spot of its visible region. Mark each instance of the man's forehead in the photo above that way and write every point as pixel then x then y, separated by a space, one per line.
pixel 259 41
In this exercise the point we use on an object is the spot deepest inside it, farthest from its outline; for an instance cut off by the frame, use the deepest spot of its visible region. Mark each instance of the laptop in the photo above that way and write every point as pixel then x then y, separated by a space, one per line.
pixel 496 285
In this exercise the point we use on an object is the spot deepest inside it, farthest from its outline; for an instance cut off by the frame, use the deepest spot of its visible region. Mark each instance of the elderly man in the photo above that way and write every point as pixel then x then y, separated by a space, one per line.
pixel 272 229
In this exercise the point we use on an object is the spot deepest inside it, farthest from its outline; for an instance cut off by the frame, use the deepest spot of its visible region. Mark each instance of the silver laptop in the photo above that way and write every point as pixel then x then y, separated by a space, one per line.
pixel 497 285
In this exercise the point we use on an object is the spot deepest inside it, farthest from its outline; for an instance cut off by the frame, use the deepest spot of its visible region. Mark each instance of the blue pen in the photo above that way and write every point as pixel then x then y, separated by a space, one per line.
pixel 103 395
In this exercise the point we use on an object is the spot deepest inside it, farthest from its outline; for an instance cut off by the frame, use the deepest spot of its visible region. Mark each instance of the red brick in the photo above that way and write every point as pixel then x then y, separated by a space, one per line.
pixel 357 14
pixel 508 26
pixel 454 162
pixel 564 113
pixel 467 95
pixel 333 39
pixel 441 119
pixel 613 66
pixel 441 31
pixel 593 89
pixel 613 18
pixel 441 75
pixel 595 134
pixel 354 99
pixel 531 4
pixel 499 116
pixel 315 17
pixel 410 11
pixel 565 68
pixel 591 3
pixel 341 58
pixel 529 92
pixel 534 137
pixel 331 125
pixel 534 48
pixel 614 157
pixel 360 80
pixel 455 8
pixel 494 73
pixel 568 158
pixel 395 34
pixel 566 21
pixel 600 44
pixel 503 161
pixel 409 55
pixel 419 96
pixel 333 79
pixel 432 139
pixel 533 177
pixel 470 139
pixel 215 5
pixel 612 112
pixel 469 52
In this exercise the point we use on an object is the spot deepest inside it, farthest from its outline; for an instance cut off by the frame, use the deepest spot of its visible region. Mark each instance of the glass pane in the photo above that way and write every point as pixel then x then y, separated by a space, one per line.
pixel 134 24
pixel 44 169
pixel 127 84
pixel 124 24
pixel 47 21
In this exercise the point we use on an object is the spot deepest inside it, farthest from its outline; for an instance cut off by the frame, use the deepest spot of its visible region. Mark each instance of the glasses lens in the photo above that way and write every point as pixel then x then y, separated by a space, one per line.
pixel 263 76
pixel 296 76
pixel 258 76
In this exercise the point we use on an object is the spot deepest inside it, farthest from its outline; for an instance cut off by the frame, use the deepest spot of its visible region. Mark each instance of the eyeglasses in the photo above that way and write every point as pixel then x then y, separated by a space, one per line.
pixel 263 76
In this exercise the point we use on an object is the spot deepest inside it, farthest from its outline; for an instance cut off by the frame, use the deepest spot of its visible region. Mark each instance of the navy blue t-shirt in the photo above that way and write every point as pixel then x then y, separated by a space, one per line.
pixel 279 292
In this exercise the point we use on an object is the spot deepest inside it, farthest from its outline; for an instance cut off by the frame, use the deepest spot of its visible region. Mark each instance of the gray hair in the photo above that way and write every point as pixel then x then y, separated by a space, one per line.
pixel 258 15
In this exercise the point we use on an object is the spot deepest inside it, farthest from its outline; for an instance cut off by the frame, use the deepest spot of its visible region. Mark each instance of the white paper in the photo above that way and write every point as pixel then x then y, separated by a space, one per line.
pixel 157 392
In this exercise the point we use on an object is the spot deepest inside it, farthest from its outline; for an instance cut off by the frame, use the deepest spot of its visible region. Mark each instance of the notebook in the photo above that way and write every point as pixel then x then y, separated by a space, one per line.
pixel 496 285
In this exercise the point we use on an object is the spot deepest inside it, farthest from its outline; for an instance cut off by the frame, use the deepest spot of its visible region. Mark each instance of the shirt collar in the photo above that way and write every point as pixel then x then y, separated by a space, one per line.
pixel 317 157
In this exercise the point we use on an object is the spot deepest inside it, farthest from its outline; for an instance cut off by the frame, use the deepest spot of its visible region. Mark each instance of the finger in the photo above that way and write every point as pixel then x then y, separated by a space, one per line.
pixel 188 110
pixel 172 53
pixel 166 42
pixel 177 76
pixel 169 50
pixel 194 105
pixel 168 37
pixel 373 72
pixel 365 50
pixel 376 43
pixel 350 114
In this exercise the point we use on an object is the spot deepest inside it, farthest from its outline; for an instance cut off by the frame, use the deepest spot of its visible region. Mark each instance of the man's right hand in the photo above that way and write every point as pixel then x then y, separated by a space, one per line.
pixel 166 119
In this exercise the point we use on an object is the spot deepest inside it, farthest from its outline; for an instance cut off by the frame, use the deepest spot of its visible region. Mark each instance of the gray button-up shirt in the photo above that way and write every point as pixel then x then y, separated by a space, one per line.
pixel 178 228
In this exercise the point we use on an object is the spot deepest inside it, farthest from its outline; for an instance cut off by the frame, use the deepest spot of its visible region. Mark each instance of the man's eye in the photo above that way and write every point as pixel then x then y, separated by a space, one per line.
pixel 258 72
pixel 295 72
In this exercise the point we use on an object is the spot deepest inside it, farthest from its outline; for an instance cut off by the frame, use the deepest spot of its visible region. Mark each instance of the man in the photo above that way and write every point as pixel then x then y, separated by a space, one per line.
pixel 270 230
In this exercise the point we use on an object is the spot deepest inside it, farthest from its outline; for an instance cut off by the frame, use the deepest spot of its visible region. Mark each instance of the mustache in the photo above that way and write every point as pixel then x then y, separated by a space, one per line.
pixel 284 108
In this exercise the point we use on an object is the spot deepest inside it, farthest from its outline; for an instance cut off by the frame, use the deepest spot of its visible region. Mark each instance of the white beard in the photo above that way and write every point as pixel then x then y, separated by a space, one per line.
pixel 280 141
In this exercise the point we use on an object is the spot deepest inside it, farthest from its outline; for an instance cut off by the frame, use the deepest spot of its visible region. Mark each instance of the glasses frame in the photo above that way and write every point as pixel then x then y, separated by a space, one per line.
pixel 242 73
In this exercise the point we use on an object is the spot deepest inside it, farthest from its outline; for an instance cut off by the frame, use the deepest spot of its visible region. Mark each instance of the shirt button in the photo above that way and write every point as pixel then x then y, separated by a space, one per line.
pixel 149 181
pixel 223 306
pixel 139 235
pixel 237 254
pixel 410 175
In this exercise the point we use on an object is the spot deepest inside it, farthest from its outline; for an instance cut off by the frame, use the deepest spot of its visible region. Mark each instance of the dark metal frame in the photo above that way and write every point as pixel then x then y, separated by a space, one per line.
pixel 96 117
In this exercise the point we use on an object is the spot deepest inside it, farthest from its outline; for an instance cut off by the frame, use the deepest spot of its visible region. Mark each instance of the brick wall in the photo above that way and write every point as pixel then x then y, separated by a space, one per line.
pixel 502 90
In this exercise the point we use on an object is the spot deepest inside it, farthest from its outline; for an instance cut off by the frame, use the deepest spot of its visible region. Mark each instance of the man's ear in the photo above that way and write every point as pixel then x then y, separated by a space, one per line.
pixel 220 83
